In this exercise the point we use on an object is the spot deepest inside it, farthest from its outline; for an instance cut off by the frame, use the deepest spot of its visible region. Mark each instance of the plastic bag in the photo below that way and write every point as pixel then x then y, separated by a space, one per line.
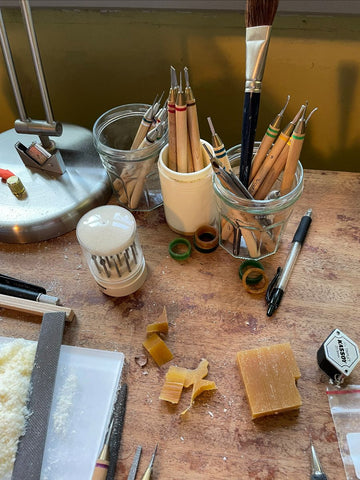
pixel 345 410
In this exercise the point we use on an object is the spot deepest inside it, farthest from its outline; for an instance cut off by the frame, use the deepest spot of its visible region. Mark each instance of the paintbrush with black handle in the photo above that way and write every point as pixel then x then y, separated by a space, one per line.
pixel 259 18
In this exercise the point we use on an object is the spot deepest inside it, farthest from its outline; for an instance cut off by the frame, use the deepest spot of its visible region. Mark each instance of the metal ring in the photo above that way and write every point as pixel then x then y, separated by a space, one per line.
pixel 176 255
pixel 206 239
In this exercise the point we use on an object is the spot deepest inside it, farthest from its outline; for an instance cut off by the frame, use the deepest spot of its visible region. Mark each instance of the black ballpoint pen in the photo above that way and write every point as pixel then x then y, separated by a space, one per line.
pixel 274 294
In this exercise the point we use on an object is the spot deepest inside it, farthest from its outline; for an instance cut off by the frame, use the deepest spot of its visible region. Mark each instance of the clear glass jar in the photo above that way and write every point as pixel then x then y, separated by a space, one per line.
pixel 252 229
pixel 133 173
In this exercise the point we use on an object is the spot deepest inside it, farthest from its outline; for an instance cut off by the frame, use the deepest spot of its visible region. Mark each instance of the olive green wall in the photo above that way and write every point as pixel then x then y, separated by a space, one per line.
pixel 95 60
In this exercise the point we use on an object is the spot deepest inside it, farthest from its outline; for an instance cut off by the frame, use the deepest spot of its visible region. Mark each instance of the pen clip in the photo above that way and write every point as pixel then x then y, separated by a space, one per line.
pixel 272 285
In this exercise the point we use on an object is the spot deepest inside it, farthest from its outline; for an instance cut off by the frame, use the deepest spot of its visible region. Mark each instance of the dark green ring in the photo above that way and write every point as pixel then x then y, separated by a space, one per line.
pixel 179 241
pixel 250 263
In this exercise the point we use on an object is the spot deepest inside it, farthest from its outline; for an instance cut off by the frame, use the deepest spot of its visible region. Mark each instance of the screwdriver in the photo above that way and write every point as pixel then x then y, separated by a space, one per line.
pixel 102 463
pixel 147 474
pixel 317 472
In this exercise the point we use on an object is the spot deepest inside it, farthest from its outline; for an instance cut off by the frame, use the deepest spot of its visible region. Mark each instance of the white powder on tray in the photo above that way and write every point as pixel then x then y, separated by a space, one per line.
pixel 16 363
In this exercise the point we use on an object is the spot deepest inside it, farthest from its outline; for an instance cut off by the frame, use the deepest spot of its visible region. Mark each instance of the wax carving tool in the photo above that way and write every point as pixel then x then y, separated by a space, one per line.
pixel 6 280
pixel 28 294
pixel 268 139
pixel 274 153
pixel 116 433
pixel 193 124
pixel 135 464
pixel 317 473
pixel 181 130
pixel 29 457
pixel 171 120
pixel 259 18
pixel 219 148
pixel 147 474
pixel 144 126
pixel 102 463
pixel 278 285
pixel 227 177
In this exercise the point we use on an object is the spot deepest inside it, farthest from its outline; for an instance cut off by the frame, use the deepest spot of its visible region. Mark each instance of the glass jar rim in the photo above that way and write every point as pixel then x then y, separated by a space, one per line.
pixel 116 113
pixel 255 206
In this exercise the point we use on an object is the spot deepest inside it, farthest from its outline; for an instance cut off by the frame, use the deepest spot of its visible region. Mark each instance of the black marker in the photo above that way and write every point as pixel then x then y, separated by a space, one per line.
pixel 274 294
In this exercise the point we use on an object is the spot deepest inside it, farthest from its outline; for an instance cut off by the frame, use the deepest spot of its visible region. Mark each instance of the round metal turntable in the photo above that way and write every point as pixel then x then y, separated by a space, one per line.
pixel 52 204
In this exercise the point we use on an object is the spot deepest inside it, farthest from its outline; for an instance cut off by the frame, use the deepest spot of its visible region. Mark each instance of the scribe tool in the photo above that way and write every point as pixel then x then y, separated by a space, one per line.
pixel 317 473
pixel 102 463
pixel 147 474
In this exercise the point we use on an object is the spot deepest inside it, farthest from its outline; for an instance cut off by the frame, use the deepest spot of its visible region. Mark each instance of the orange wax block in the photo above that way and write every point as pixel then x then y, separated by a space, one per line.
pixel 269 375
pixel 157 349
pixel 173 386
pixel 160 326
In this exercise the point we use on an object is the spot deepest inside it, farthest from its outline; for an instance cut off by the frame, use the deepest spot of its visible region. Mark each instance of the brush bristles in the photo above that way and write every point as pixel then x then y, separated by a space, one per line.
pixel 260 12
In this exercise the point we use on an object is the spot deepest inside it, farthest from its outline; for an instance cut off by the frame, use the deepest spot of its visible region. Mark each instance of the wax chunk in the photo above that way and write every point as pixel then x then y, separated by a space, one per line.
pixel 199 372
pixel 160 326
pixel 177 378
pixel 158 349
pixel 173 386
pixel 269 375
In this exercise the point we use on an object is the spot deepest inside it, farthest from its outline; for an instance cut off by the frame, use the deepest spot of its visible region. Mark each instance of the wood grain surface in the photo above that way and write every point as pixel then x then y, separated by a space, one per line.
pixel 211 316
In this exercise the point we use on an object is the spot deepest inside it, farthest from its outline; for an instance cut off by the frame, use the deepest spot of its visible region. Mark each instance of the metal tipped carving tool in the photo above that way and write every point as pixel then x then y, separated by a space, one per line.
pixel 102 463
pixel 268 139
pixel 135 464
pixel 317 473
pixel 219 148
pixel 147 474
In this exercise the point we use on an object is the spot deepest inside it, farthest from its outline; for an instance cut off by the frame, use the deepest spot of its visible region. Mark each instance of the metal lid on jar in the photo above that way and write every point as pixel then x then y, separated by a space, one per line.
pixel 106 230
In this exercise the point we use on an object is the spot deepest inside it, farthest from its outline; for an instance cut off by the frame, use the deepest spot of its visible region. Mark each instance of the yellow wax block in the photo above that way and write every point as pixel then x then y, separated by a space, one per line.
pixel 157 349
pixel 160 326
pixel 269 375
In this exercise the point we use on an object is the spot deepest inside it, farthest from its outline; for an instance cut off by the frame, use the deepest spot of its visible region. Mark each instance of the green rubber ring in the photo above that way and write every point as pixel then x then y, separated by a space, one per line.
pixel 179 241
pixel 250 263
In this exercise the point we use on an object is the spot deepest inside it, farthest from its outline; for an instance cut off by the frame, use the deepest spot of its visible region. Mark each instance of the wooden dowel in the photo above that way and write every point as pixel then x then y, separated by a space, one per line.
pixel 32 307
pixel 190 162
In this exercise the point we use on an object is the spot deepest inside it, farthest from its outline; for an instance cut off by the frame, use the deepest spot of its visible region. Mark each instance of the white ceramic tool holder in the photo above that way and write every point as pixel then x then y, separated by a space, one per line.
pixel 109 241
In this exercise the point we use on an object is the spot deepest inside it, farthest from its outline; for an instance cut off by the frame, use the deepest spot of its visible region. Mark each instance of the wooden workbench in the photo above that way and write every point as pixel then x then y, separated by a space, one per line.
pixel 211 316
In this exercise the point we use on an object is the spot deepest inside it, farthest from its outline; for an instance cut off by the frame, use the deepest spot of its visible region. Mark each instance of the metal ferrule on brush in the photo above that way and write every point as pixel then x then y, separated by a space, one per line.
pixel 257 43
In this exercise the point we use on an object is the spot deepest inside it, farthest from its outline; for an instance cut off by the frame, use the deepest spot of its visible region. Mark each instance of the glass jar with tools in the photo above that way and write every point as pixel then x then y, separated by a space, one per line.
pixel 132 169
pixel 108 238
pixel 253 227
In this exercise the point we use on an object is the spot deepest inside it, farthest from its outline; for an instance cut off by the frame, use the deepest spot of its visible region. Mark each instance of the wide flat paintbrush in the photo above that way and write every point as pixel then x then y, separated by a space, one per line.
pixel 259 18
